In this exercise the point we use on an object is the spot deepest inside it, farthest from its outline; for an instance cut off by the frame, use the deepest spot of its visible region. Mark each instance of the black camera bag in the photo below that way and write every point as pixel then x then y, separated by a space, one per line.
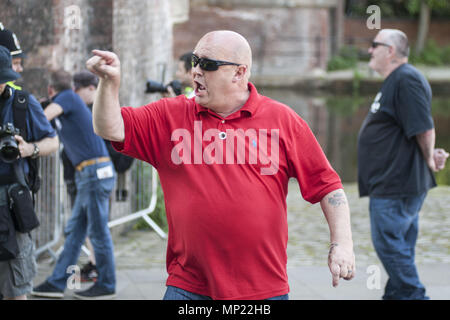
pixel 21 205
pixel 9 248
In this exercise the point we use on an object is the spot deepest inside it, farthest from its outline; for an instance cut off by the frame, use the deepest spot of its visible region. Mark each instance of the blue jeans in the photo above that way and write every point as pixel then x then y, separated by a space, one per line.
pixel 174 293
pixel 89 217
pixel 394 227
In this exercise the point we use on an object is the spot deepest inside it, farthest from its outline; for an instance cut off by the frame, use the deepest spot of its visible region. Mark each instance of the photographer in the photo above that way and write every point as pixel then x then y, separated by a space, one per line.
pixel 183 74
pixel 85 85
pixel 17 264
pixel 181 85
pixel 94 179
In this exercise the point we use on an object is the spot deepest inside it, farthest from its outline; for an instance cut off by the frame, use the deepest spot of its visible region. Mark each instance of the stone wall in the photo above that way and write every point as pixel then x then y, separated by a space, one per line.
pixel 57 34
pixel 62 33
pixel 143 40
pixel 284 42
pixel 356 32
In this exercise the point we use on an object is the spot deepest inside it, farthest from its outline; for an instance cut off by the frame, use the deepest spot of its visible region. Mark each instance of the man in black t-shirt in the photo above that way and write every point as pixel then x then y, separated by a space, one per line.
pixel 396 161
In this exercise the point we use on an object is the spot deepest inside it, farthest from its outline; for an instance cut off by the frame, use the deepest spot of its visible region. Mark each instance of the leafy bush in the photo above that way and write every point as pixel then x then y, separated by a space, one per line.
pixel 346 59
pixel 432 55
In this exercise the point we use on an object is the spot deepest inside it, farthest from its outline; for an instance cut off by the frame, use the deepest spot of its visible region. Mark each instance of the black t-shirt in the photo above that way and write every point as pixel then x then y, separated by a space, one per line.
pixel 390 162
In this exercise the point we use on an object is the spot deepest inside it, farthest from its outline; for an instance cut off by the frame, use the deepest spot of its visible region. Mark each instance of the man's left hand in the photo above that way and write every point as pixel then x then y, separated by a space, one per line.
pixel 26 149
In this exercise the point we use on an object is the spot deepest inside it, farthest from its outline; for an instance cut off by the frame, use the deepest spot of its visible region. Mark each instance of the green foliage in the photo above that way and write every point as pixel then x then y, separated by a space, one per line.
pixel 346 59
pixel 158 215
pixel 413 6
pixel 398 8
pixel 443 176
pixel 432 55
pixel 143 198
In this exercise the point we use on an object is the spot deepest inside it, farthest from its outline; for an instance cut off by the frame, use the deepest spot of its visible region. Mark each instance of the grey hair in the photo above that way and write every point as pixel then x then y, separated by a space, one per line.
pixel 400 41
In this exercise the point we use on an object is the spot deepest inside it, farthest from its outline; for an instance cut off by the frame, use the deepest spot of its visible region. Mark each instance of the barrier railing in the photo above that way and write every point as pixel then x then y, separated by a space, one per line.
pixel 141 192
pixel 53 203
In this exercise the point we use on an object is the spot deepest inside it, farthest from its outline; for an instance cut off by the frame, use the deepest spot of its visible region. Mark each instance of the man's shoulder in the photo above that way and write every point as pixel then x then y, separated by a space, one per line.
pixel 67 96
pixel 408 72
pixel 279 109
pixel 410 79
pixel 22 94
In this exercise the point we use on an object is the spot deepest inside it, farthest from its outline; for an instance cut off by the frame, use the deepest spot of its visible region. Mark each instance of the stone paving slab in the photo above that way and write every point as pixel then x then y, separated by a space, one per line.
pixel 140 255
pixel 306 283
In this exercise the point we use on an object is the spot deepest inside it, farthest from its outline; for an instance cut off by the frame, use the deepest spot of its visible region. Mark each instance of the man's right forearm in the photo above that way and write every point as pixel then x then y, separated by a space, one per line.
pixel 107 118
pixel 426 141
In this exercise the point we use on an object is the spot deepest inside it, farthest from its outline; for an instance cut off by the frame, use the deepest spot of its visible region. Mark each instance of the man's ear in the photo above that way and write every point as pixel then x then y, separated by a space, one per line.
pixel 241 72
pixel 392 52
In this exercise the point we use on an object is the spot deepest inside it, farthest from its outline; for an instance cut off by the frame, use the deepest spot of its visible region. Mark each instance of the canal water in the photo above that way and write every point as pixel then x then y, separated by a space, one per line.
pixel 336 120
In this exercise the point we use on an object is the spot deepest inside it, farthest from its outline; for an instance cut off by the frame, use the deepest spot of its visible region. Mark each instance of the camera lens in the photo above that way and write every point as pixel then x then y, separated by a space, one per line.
pixel 8 149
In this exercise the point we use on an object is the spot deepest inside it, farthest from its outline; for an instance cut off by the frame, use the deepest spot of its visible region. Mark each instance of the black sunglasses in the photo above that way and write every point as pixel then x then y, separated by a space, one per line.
pixel 376 44
pixel 209 64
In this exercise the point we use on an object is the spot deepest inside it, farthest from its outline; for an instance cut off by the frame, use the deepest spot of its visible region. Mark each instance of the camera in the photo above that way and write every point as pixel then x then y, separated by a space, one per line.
pixel 155 86
pixel 9 151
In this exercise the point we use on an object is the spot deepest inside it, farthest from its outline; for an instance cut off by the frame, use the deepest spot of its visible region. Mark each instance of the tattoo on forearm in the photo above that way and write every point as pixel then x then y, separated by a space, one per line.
pixel 332 245
pixel 337 199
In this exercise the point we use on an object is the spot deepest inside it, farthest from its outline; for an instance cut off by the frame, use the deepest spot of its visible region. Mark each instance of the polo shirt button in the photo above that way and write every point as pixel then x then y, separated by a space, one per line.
pixel 222 135
pixel 223 121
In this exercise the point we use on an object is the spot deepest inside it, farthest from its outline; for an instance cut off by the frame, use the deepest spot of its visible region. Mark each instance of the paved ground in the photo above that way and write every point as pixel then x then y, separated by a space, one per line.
pixel 140 255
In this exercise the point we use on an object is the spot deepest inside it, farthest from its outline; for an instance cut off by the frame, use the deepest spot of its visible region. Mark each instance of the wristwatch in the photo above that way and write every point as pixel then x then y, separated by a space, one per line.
pixel 35 152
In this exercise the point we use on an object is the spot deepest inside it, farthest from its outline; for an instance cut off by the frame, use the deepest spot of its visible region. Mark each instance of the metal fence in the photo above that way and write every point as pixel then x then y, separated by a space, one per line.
pixel 134 197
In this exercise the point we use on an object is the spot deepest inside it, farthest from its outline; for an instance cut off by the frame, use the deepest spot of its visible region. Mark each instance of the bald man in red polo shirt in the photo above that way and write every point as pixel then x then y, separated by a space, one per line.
pixel 224 159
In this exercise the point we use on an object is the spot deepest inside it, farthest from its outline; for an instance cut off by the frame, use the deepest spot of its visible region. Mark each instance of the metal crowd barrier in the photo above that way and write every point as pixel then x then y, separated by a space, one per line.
pixel 53 203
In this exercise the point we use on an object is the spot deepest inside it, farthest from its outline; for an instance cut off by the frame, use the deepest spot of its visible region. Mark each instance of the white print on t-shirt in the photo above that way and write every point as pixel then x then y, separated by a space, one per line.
pixel 376 103
pixel 233 141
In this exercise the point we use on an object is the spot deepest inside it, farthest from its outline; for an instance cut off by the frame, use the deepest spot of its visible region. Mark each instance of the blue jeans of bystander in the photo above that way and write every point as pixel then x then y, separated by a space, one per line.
pixel 394 228
pixel 89 216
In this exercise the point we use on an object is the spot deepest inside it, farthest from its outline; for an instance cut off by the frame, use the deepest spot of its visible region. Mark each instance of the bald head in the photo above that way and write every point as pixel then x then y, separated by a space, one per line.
pixel 398 39
pixel 228 46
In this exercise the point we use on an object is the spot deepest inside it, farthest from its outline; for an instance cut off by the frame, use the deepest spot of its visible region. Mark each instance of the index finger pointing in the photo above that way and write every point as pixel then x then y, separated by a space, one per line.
pixel 335 272
pixel 107 55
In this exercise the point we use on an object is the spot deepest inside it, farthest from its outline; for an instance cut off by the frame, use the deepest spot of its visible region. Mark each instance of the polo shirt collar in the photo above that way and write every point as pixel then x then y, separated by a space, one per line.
pixel 249 107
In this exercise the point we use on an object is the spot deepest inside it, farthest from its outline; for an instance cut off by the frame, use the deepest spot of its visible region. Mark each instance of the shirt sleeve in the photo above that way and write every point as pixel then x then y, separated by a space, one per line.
pixel 40 126
pixel 413 107
pixel 309 165
pixel 65 100
pixel 145 130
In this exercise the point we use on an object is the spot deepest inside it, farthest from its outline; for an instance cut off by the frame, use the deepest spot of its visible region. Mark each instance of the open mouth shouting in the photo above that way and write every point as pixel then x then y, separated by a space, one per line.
pixel 199 88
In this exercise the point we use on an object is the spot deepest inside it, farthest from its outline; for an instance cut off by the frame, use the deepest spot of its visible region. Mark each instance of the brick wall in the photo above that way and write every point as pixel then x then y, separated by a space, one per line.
pixel 355 30
pixel 140 32
pixel 40 27
pixel 284 42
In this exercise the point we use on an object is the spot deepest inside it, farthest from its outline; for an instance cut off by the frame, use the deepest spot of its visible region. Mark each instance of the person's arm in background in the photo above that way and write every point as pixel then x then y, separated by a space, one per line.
pixel 52 111
pixel 341 258
pixel 107 118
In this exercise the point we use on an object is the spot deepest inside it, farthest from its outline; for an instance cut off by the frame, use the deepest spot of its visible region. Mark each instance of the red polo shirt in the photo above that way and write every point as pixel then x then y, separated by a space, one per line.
pixel 225 182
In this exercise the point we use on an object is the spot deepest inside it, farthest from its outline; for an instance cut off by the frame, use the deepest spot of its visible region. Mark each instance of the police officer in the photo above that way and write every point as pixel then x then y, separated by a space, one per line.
pixel 9 40
pixel 39 139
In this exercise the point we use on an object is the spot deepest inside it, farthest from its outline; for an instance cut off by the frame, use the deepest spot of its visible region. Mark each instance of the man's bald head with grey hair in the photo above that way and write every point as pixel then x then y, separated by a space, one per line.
pixel 399 40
